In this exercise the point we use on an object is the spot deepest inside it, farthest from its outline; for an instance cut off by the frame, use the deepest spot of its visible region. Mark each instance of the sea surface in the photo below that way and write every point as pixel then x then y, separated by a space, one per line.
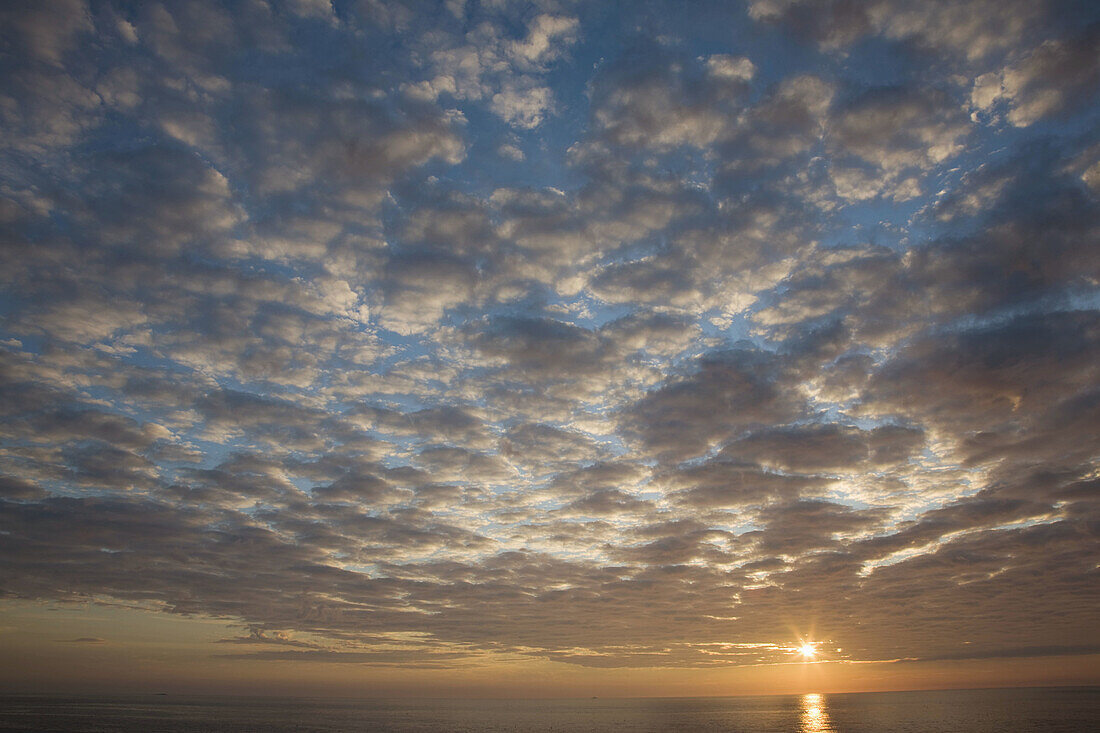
pixel 965 711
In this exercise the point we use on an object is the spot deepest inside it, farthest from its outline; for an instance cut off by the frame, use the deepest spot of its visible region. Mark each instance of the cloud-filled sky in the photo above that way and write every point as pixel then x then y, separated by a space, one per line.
pixel 419 335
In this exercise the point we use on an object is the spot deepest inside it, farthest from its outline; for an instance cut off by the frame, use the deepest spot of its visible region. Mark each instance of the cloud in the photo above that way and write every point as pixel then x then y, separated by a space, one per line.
pixel 484 64
pixel 1048 81
pixel 1027 651
pixel 728 392
pixel 399 657
pixel 973 29
pixel 825 448
pixel 720 483
pixel 522 106
pixel 355 146
pixel 647 99
pixel 47 33
pixel 1003 372
pixel 412 335
pixel 897 133
pixel 544 447
pixel 809 524
pixel 547 36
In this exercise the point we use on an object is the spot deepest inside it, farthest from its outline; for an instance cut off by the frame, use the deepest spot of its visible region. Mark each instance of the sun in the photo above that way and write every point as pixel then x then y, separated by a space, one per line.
pixel 807 650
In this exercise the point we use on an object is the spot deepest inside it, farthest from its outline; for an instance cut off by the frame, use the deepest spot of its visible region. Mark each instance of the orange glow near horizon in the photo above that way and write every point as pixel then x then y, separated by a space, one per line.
pixel 145 651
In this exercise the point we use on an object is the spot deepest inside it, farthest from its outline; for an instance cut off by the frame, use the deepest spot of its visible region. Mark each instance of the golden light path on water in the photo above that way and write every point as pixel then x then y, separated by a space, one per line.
pixel 814 717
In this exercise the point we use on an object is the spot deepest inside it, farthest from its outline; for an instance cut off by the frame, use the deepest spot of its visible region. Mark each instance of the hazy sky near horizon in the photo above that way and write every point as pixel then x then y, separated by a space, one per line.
pixel 553 338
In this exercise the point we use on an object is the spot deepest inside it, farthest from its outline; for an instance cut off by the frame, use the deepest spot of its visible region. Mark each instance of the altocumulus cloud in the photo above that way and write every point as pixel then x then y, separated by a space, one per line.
pixel 415 333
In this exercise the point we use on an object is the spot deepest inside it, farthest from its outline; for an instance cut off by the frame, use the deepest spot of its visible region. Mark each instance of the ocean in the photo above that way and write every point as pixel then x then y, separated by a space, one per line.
pixel 962 711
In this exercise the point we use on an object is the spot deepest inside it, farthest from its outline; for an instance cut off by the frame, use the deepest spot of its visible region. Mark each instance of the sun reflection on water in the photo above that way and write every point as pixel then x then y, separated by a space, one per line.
pixel 814 717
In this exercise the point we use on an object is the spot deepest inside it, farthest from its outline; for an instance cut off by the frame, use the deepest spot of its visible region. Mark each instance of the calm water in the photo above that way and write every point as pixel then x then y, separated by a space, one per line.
pixel 965 711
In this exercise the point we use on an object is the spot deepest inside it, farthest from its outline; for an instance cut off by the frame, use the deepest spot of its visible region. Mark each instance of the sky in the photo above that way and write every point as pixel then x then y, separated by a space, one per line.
pixel 511 348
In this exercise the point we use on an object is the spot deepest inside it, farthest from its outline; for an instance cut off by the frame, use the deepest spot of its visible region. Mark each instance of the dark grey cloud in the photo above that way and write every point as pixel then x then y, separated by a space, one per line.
pixel 607 502
pixel 729 392
pixel 1050 80
pixel 810 524
pixel 972 30
pixel 1002 373
pixel 721 482
pixel 545 447
pixel 349 146
pixel 1024 651
pixel 885 138
pixel 825 448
